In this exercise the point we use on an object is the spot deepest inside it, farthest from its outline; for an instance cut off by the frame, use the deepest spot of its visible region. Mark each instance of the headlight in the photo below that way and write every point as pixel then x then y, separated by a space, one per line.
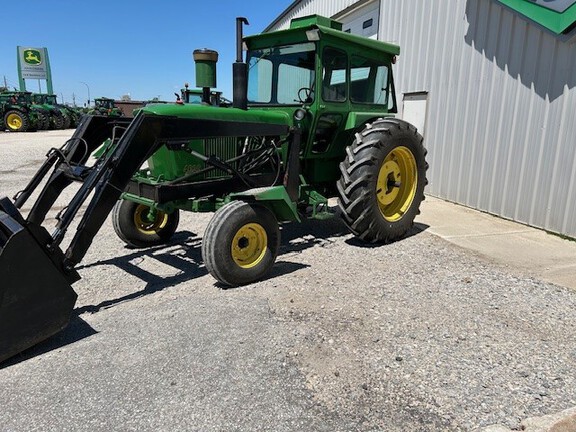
pixel 299 114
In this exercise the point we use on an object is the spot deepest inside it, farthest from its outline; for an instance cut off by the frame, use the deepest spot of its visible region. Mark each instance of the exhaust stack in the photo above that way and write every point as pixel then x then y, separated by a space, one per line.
pixel 240 69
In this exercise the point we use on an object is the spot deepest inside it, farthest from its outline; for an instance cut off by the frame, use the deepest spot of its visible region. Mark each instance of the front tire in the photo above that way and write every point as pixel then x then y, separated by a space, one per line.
pixel 241 243
pixel 383 180
pixel 139 228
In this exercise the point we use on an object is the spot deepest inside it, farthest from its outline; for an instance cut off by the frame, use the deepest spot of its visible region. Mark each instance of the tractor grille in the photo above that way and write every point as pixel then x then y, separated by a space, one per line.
pixel 225 148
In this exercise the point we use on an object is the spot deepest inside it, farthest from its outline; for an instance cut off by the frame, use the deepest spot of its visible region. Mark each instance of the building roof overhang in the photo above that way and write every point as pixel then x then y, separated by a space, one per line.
pixel 558 16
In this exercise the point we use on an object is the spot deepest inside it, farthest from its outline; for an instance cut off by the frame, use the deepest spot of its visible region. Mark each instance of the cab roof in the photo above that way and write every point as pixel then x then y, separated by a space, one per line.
pixel 325 26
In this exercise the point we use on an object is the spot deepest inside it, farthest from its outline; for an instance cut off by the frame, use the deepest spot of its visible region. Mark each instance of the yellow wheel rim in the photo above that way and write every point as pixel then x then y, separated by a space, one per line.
pixel 146 224
pixel 249 245
pixel 14 121
pixel 396 184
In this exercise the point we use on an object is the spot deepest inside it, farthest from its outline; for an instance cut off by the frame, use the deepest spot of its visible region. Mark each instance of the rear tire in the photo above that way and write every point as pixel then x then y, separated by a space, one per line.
pixel 383 180
pixel 16 121
pixel 241 243
pixel 43 121
pixel 57 122
pixel 132 225
pixel 67 121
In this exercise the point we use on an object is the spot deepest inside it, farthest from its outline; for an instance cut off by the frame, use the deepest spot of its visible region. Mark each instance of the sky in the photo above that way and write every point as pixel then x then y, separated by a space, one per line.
pixel 128 47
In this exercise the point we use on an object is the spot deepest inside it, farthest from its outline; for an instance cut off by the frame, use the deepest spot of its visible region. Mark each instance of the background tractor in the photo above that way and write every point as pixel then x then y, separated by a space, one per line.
pixel 196 96
pixel 311 119
pixel 19 113
pixel 58 118
pixel 63 117
pixel 105 106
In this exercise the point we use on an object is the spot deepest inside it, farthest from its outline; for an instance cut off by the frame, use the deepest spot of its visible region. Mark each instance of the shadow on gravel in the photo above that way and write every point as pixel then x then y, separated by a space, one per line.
pixel 182 253
pixel 299 236
pixel 416 229
pixel 77 330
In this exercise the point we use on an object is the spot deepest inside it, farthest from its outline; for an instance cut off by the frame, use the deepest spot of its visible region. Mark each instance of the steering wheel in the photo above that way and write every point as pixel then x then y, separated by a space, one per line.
pixel 305 95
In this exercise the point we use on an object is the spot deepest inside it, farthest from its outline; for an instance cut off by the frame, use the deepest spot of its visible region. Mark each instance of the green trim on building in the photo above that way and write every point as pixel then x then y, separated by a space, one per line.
pixel 557 22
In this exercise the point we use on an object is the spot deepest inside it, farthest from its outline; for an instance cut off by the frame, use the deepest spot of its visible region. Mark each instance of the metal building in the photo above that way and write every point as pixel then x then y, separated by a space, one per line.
pixel 491 86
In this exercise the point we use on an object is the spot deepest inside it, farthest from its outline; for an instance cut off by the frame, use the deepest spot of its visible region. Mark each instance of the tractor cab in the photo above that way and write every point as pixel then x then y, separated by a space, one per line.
pixel 41 98
pixel 335 80
pixel 16 98
pixel 51 99
pixel 104 103
pixel 195 96
pixel 105 106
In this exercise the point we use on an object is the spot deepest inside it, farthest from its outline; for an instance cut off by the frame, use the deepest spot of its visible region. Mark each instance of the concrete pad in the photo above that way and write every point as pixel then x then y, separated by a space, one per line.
pixel 529 250
pixel 563 421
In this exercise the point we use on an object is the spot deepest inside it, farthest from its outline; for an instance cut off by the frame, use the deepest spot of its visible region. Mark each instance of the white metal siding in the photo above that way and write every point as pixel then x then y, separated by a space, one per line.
pixel 501 104
pixel 327 8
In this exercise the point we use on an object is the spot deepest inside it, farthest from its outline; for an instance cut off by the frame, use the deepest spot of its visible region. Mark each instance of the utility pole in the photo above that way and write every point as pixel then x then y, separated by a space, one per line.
pixel 74 99
pixel 5 83
pixel 62 96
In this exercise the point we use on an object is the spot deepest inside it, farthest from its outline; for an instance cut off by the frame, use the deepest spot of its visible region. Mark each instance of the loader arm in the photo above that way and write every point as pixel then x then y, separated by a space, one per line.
pixel 34 308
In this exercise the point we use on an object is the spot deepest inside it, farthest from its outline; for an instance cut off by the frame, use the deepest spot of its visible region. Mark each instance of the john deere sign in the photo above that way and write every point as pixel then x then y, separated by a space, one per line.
pixel 33 64
pixel 32 57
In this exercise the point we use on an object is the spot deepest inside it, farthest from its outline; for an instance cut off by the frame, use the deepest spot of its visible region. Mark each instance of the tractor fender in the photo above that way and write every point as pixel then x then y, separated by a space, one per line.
pixel 357 119
pixel 275 198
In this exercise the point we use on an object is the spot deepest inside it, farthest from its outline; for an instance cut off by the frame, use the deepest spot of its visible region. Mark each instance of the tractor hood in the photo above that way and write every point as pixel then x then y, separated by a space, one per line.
pixel 232 115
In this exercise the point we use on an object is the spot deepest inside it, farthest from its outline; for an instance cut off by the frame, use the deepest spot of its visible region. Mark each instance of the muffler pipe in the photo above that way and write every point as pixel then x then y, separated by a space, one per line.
pixel 240 69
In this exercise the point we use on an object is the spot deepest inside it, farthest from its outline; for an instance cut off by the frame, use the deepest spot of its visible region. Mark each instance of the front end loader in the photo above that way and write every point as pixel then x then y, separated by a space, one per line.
pixel 312 118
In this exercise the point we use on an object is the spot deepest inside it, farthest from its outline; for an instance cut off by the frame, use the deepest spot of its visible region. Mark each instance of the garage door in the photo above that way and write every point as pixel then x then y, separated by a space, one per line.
pixel 363 20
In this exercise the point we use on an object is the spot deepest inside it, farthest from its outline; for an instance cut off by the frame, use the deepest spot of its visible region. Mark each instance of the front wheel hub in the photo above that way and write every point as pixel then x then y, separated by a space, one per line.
pixel 149 221
pixel 249 245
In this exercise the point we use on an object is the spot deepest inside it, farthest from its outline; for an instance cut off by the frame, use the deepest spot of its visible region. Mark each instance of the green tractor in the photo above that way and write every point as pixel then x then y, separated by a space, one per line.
pixel 196 96
pixel 62 117
pixel 105 106
pixel 59 118
pixel 312 118
pixel 20 114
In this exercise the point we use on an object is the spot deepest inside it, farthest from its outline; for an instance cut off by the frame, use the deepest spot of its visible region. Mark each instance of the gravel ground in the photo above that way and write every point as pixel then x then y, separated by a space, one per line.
pixel 419 335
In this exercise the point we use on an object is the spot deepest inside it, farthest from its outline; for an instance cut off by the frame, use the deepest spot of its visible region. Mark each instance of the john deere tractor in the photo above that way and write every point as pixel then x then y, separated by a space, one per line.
pixel 58 118
pixel 196 96
pixel 61 116
pixel 20 114
pixel 312 118
pixel 105 106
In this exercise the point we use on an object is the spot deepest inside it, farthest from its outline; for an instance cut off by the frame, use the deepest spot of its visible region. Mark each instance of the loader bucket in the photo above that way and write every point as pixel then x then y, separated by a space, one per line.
pixel 36 298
